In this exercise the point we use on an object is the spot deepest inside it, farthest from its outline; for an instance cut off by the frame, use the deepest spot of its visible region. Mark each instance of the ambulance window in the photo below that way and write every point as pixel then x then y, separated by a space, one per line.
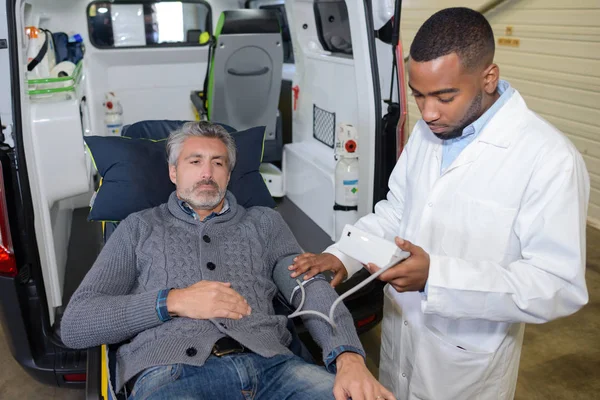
pixel 286 37
pixel 333 26
pixel 129 24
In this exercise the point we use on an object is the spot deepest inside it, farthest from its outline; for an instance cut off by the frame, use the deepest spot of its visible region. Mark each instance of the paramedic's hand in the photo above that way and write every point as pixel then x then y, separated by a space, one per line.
pixel 353 380
pixel 317 263
pixel 207 299
pixel 409 275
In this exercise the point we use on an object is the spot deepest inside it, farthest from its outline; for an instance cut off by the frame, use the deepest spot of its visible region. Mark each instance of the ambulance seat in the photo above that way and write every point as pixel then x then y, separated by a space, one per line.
pixel 243 80
pixel 158 130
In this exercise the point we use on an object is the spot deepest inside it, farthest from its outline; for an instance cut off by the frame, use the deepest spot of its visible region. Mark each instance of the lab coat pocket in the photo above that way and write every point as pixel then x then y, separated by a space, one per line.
pixel 445 370
pixel 478 230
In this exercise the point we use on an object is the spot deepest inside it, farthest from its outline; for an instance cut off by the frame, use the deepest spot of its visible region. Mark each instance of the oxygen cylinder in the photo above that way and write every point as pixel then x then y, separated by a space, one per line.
pixel 346 178
pixel 113 114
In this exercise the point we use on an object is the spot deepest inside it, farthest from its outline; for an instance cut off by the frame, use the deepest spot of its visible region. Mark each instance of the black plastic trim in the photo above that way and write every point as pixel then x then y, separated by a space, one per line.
pixel 337 207
pixel 22 193
pixel 319 25
pixel 23 299
pixel 93 384
pixel 248 20
pixel 379 181
pixel 152 45
pixel 286 36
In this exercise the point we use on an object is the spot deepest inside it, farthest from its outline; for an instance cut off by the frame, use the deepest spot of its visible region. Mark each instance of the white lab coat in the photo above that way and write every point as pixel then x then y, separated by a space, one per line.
pixel 505 228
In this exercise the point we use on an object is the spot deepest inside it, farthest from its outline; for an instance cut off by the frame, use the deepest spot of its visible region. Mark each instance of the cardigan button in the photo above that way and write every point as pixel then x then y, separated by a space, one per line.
pixel 211 266
pixel 191 352
pixel 206 238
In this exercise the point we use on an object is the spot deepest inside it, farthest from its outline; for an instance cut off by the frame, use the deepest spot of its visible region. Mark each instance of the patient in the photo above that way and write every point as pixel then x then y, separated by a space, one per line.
pixel 189 287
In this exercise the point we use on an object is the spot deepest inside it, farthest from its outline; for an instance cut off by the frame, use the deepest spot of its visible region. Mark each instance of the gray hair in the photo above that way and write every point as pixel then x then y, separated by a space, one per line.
pixel 200 129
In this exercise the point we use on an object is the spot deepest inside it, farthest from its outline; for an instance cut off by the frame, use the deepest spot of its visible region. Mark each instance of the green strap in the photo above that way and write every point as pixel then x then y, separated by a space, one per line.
pixel 210 72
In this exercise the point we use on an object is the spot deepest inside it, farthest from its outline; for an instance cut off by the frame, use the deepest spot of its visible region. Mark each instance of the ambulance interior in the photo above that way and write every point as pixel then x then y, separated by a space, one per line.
pixel 149 59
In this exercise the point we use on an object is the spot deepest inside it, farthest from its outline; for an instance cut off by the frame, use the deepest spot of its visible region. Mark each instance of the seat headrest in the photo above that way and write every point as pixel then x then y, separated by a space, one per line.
pixel 247 21
pixel 157 129
pixel 135 171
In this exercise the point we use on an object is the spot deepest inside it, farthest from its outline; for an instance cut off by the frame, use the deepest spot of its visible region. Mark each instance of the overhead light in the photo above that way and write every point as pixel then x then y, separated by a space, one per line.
pixel 102 10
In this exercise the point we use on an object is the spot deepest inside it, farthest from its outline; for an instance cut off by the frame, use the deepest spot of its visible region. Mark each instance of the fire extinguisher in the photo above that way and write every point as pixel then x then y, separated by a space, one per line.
pixel 346 178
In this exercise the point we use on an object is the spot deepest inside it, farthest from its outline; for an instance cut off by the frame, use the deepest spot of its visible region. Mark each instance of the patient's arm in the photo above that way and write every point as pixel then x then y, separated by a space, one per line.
pixel 342 351
pixel 281 250
pixel 103 310
pixel 319 296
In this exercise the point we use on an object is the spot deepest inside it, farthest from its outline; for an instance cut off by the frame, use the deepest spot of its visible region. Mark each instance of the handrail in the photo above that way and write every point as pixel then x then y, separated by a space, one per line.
pixel 74 79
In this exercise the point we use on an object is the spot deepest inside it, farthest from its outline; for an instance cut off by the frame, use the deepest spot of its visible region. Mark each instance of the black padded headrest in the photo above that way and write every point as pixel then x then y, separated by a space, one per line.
pixel 248 21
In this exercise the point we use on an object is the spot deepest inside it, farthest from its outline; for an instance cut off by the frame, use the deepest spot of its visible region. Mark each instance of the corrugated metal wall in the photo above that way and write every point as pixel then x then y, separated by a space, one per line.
pixel 549 50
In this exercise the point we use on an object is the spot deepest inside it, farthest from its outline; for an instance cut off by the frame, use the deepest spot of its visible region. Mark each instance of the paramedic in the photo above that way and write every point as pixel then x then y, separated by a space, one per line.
pixel 491 202
pixel 189 287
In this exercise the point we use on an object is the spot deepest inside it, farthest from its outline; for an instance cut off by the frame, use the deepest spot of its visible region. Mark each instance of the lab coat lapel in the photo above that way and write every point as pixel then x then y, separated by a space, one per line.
pixel 498 132
pixel 467 156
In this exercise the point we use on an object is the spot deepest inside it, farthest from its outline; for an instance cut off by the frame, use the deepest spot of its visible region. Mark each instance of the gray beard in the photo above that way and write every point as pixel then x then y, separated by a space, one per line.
pixel 206 201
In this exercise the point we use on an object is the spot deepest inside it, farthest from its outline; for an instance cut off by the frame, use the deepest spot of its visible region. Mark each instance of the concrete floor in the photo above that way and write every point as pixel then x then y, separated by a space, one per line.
pixel 560 360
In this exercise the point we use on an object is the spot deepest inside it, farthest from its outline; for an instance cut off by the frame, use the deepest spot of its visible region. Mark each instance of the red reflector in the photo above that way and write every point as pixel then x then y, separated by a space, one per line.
pixel 365 321
pixel 8 265
pixel 75 377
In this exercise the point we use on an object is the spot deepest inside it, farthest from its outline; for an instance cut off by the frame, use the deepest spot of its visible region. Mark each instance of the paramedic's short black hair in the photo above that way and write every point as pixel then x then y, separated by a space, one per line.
pixel 457 30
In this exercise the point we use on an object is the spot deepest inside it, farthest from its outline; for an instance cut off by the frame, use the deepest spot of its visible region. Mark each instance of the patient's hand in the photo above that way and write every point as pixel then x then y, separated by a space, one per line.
pixel 353 380
pixel 207 299
pixel 314 264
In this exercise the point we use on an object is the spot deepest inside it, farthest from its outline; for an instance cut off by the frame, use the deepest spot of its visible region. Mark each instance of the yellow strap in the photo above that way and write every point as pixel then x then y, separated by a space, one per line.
pixel 104 373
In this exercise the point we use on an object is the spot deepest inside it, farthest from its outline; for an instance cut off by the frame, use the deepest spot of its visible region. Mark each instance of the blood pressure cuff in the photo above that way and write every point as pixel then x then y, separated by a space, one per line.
pixel 287 285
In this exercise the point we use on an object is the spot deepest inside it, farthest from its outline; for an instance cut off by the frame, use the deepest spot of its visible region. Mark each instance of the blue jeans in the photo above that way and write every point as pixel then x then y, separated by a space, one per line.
pixel 243 376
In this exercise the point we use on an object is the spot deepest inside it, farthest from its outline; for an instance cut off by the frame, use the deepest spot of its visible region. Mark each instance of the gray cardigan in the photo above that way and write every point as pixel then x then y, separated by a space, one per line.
pixel 164 247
